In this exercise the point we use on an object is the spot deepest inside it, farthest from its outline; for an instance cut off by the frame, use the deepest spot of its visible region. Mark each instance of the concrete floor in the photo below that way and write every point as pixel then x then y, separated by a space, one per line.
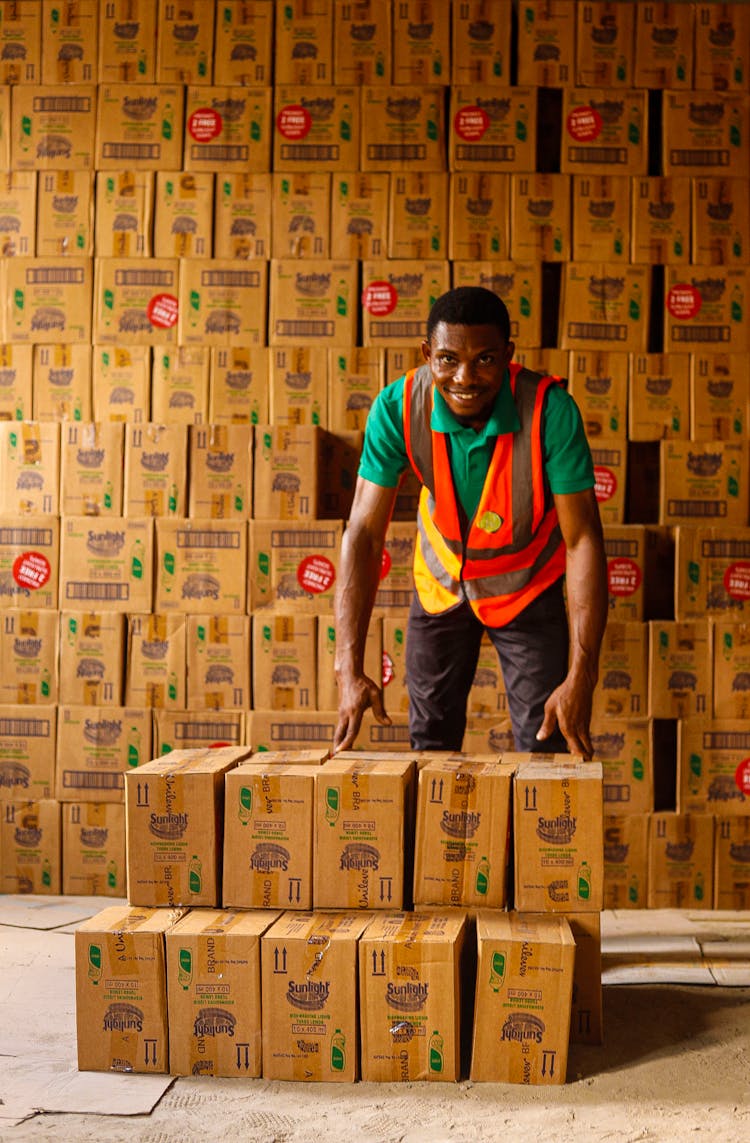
pixel 675 1062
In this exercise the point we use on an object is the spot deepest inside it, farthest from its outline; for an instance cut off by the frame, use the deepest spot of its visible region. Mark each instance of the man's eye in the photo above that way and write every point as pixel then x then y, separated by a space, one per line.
pixel 486 359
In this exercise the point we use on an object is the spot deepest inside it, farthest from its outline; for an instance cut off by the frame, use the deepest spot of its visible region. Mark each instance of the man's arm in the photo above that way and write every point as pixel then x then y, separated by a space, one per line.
pixel 356 587
pixel 570 704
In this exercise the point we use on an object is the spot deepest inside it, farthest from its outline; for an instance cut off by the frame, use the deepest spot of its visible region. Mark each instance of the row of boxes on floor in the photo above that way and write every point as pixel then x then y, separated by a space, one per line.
pixel 372 41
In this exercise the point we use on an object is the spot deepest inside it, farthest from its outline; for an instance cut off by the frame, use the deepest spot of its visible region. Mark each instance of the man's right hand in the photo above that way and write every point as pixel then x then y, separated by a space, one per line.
pixel 356 695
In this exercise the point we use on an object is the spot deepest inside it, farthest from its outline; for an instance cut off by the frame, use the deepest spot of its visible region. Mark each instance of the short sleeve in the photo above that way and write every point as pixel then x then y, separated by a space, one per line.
pixel 384 456
pixel 567 456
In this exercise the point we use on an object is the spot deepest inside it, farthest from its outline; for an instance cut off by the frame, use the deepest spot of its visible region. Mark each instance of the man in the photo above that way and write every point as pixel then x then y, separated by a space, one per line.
pixel 506 511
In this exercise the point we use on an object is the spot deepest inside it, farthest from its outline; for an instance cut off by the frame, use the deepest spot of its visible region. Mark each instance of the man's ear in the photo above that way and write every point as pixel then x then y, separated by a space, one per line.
pixel 426 352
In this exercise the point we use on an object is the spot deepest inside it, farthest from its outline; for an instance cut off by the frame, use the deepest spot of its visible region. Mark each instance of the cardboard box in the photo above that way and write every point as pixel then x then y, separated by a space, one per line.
pixel 179 384
pixel 183 214
pixel 379 738
pixel 405 128
pixel 486 733
pixel 703 480
pixel 242 215
pixel 107 564
pixel 93 849
pixel 523 999
pixel 29 468
pixel 586 1007
pixel 121 383
pixel 29 645
pixel 188 730
pixel 15 382
pixel 227 129
pixel 340 455
pixel 518 284
pixel 658 396
pixel 660 220
pixel 626 860
pixel 732 863
pixel 712 768
pixel 314 299
pixel 362 834
pixel 396 584
pixel 124 213
pixel 681 861
pixel 20 43
pixel 375 662
pixel 623 671
pixel 27 750
pixel 92 658
pixel 53 127
pixel 730 669
pixel 710 571
pixel 355 377
pixel 218 662
pixel 18 213
pixel 135 301
pixel 174 812
pixel 286 469
pixel 540 217
pixel 313 757
pixel 51 300
pixel 492 131
pixel 185 42
pixel 65 215
pixel 70 42
pixel 298 386
pixel 303 42
pixel 680 675
pixel 664 45
pixel 487 694
pixel 557 819
pixel 624 748
pixel 139 127
pixel 156 661
pixel 221 471
pixel 719 396
pixel 294 562
pixel 91 477
pixel 362 43
pixel 720 217
pixel 301 218
pixel 397 297
pixel 199 561
pixel 410 1002
pixel 155 466
pixel 601 218
pixel 121 990
pixel 421 51
pixel 705 307
pixel 605 308
pixel 222 302
pixel 213 989
pixel 462 842
pixel 268 835
pixel 5 128
pixel 238 386
pixel 127 42
pixel 29 562
pixel 62 383
pixel 418 215
pixel 549 361
pixel 605 33
pixel 269 730
pixel 359 214
pixel 610 457
pixel 705 134
pixel 721 30
pixel 605 131
pixel 393 672
pixel 598 381
pixel 546 43
pixel 284 661
pixel 30 847
pixel 481 43
pixel 243 42
pixel 479 215
pixel 96 745
pixel 309 971
pixel 316 129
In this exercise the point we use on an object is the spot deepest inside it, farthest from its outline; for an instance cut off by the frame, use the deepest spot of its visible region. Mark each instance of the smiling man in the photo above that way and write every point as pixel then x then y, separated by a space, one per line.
pixel 506 514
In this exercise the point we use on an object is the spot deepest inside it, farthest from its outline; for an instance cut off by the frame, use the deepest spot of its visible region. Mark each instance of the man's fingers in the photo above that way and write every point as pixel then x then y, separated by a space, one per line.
pixel 378 708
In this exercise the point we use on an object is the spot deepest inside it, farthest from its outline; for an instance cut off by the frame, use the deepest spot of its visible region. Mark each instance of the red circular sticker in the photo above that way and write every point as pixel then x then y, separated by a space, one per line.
pixel 294 121
pixel 605 483
pixel 315 574
pixel 471 122
pixel 737 581
pixel 684 301
pixel 385 563
pixel 742 776
pixel 379 298
pixel 584 124
pixel 162 310
pixel 31 570
pixel 205 124
pixel 623 576
pixel 388 671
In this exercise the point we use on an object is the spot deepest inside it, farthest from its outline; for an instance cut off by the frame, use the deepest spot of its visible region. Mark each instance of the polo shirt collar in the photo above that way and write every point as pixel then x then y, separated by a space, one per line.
pixel 503 418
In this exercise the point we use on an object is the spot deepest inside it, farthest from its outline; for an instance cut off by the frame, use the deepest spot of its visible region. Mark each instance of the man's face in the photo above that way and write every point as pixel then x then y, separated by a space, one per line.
pixel 468 364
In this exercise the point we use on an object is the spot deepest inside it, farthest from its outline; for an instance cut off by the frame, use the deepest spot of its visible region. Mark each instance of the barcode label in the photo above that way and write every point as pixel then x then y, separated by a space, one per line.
pixel 395 152
pixel 612 793
pixel 221 152
pixel 726 740
pixel 397 328
pixel 389 733
pixel 613 156
pixel 302 538
pixel 144 277
pixel 700 157
pixel 307 152
pixel 247 278
pixel 86 780
pixel 301 732
pixel 712 333
pixel 725 549
pixel 395 598
pixel 207 731
pixel 24 727
pixel 305 328
pixel 621 547
pixel 102 591
pixel 74 103
pixel 597 331
pixel 20 536
pixel 131 151
pixel 490 153
pixel 705 508
pixel 208 539
pixel 54 275
pixel 606 456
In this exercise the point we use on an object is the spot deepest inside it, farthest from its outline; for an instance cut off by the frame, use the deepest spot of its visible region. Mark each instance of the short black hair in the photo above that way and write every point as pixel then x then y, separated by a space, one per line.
pixel 469 305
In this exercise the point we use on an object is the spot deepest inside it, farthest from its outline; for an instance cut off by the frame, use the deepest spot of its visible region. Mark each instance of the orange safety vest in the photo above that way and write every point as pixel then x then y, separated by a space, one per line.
pixel 513 548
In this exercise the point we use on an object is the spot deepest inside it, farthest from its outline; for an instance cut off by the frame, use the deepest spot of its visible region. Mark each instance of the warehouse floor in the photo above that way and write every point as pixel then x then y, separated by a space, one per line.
pixel 675 1062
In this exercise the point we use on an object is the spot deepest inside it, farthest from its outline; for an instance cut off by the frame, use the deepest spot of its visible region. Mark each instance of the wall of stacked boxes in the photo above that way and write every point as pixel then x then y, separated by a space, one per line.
pixel 222 227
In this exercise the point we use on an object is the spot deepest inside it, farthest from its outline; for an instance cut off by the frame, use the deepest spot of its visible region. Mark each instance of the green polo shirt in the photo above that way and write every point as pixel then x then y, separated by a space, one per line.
pixel 567 457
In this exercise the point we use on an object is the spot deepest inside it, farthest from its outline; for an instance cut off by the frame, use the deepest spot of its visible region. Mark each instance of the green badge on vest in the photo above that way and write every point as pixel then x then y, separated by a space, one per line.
pixel 490 522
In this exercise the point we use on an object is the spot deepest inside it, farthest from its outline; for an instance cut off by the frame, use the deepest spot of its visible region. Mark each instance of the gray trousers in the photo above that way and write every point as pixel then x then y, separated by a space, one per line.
pixel 441 658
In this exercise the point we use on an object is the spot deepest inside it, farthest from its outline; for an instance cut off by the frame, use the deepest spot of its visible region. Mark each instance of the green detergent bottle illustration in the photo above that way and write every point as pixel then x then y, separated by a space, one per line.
pixel 333 804
pixel 497 970
pixel 584 881
pixel 112 875
pixel 185 968
pixel 483 876
pixel 338 1051
pixel 95 963
pixel 436 1052
pixel 195 880
pixel 246 804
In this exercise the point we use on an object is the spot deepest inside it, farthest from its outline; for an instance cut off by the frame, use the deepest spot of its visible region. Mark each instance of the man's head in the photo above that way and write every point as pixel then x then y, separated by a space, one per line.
pixel 468 349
